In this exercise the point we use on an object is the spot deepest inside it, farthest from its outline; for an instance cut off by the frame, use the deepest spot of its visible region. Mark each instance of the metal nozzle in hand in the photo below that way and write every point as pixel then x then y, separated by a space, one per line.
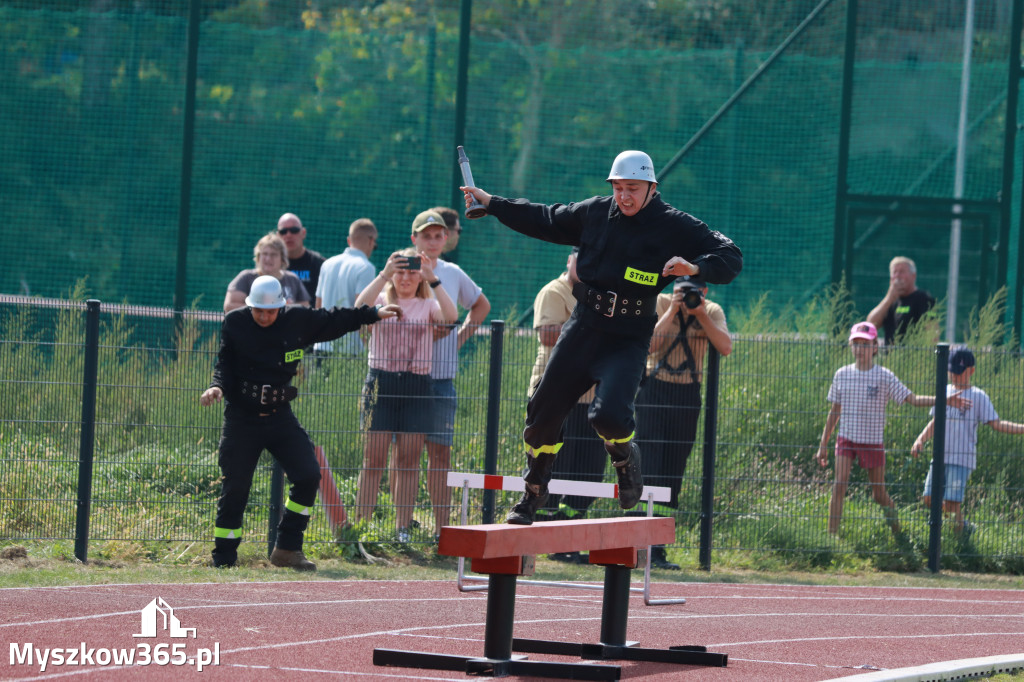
pixel 475 209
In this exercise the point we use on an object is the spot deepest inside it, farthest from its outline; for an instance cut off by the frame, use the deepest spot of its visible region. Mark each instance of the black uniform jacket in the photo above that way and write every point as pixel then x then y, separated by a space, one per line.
pixel 625 254
pixel 271 355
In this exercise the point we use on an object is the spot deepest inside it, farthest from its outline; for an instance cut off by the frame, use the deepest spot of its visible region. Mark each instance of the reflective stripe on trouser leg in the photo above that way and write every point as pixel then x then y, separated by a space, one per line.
pixel 539 462
pixel 293 524
pixel 225 545
pixel 619 449
pixel 616 441
pixel 294 506
pixel 550 449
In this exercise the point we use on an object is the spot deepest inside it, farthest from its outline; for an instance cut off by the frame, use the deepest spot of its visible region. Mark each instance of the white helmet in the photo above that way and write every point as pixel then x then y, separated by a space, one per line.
pixel 632 165
pixel 265 293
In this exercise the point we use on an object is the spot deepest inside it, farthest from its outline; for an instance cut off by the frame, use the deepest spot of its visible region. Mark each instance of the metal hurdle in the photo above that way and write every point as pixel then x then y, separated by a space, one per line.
pixel 651 494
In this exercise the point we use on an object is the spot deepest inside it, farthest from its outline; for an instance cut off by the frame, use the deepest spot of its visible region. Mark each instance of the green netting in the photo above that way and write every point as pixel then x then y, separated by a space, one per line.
pixel 336 110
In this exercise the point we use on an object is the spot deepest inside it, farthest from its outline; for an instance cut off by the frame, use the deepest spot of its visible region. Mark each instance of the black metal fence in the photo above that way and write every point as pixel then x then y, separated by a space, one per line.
pixel 104 443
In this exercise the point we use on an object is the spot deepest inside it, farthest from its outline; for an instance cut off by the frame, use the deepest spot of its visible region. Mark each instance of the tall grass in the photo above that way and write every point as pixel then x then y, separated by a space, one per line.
pixel 156 477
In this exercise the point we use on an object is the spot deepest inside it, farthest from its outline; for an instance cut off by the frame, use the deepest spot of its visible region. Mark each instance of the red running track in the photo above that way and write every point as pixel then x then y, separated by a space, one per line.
pixel 328 629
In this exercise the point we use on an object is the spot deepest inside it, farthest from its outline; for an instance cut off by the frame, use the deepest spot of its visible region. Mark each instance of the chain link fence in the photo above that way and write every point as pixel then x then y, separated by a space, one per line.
pixel 154 477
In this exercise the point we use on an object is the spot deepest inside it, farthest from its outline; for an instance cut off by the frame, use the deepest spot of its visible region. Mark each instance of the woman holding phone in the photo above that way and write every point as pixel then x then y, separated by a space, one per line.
pixel 397 389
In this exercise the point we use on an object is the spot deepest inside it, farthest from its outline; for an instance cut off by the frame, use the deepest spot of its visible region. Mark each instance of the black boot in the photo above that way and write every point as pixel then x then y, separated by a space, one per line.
pixel 659 559
pixel 626 460
pixel 569 558
pixel 225 552
pixel 536 493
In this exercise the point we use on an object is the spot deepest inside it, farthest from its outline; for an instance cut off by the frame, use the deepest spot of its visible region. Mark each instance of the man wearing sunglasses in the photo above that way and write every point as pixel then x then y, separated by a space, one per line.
pixel 302 261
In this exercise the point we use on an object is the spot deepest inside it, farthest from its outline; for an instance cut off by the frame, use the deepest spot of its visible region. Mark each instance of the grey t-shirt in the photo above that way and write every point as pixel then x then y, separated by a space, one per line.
pixel 294 291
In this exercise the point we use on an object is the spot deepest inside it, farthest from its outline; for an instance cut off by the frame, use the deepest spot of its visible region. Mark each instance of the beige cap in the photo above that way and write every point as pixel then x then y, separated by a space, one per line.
pixel 426 219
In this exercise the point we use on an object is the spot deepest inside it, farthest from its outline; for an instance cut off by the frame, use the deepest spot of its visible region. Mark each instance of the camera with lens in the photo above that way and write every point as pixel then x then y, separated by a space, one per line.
pixel 692 291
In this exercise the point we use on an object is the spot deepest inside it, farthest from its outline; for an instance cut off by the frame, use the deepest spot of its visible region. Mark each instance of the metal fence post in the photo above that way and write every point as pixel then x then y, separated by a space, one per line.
pixel 938 460
pixel 275 511
pixel 707 492
pixel 461 96
pixel 88 435
pixel 493 413
pixel 187 149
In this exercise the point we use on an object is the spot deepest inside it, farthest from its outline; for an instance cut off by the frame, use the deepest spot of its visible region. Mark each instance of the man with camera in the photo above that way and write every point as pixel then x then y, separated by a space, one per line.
pixel 668 404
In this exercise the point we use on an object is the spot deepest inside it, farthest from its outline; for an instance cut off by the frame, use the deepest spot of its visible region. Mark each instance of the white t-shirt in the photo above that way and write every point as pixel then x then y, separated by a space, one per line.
pixel 464 292
pixel 962 426
pixel 863 396
pixel 342 278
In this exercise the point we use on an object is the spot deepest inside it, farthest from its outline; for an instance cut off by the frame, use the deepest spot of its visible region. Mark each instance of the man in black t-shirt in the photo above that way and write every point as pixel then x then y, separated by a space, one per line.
pixel 903 304
pixel 302 261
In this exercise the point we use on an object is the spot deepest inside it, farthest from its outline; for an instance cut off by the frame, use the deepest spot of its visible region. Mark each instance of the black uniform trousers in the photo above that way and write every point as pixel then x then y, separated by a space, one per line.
pixel 581 459
pixel 244 437
pixel 667 415
pixel 582 357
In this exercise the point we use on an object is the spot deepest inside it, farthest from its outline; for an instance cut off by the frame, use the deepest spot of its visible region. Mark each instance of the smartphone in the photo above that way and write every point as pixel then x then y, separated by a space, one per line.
pixel 412 263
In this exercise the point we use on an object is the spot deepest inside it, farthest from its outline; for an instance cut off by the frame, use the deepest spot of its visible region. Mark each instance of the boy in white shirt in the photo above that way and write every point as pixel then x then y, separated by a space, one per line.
pixel 961 451
pixel 859 394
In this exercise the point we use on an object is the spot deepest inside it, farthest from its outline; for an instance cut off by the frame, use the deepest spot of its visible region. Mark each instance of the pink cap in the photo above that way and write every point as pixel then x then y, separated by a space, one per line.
pixel 864 330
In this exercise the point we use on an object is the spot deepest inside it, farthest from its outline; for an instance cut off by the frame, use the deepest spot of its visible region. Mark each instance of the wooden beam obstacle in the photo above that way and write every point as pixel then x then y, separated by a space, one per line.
pixel 505 551
pixel 651 494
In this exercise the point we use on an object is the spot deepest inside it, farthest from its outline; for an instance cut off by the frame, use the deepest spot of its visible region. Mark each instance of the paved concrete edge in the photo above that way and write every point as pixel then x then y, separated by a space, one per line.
pixel 945 670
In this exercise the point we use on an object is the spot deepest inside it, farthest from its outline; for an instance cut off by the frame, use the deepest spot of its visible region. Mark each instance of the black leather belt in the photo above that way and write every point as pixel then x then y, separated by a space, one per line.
pixel 268 394
pixel 611 304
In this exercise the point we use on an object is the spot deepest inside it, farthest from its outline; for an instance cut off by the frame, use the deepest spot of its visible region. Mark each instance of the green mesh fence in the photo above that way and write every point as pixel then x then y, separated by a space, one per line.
pixel 337 111
pixel 155 480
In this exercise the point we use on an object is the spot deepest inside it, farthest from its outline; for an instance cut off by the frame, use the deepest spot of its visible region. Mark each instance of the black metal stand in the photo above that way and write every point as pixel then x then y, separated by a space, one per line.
pixel 498 660
pixel 613 645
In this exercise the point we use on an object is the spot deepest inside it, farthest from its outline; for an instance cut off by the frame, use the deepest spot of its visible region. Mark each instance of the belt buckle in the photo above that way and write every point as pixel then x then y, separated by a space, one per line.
pixel 263 394
pixel 611 304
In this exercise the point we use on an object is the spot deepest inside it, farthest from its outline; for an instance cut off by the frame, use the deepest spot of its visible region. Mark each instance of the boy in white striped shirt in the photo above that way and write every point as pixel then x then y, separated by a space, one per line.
pixel 859 394
pixel 961 455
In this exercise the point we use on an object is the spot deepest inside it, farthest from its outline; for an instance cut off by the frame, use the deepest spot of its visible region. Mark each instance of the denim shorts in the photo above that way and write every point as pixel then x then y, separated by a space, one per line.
pixel 956 483
pixel 442 424
pixel 396 401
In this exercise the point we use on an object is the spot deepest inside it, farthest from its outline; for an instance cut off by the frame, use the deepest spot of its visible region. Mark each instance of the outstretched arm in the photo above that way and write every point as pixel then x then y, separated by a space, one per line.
pixel 955 400
pixel 481 196
pixel 1003 426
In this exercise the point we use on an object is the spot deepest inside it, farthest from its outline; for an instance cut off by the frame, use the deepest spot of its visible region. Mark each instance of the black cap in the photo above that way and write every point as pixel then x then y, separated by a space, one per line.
pixel 960 360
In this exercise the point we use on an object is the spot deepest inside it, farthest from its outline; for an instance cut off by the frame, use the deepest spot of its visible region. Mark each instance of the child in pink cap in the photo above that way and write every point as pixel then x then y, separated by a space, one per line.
pixel 859 394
